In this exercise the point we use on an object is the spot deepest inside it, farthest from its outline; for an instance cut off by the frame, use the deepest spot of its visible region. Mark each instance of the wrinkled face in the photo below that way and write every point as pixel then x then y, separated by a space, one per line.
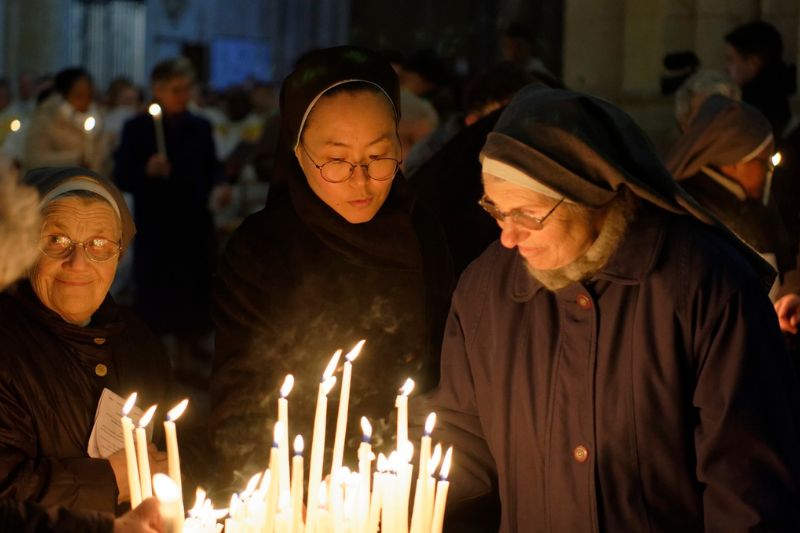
pixel 74 287
pixel 752 174
pixel 174 94
pixel 357 127
pixel 741 68
pixel 80 95
pixel 566 234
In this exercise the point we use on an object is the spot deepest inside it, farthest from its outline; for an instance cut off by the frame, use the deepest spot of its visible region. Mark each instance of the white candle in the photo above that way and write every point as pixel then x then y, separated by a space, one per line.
pixel 274 485
pixel 283 418
pixel 430 486
pixel 283 520
pixel 297 486
pixel 402 412
pixel 134 486
pixel 141 450
pixel 173 453
pixel 441 493
pixel 364 470
pixel 323 514
pixel 417 518
pixel 376 500
pixel 404 473
pixel 171 509
pixel 318 440
pixel 344 400
pixel 155 112
pixel 337 499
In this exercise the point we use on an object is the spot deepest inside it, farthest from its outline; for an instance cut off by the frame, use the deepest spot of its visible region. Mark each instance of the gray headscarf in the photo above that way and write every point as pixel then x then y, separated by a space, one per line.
pixel 52 182
pixel 586 149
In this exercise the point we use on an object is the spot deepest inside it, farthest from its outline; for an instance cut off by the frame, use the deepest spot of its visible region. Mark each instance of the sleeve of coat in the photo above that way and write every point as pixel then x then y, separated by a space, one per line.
pixel 30 517
pixel 78 482
pixel 746 437
pixel 39 151
pixel 458 423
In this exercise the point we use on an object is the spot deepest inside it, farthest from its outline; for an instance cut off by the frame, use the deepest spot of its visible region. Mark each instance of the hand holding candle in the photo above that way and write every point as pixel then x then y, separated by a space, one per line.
pixel 130 453
pixel 171 499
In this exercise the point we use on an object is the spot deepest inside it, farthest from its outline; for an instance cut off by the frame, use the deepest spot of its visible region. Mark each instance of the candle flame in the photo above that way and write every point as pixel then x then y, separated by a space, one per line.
pixel 89 123
pixel 235 503
pixel 331 368
pixel 154 110
pixel 407 387
pixel 328 385
pixel 436 458
pixel 448 459
pixel 15 125
pixel 323 495
pixel 277 434
pixel 251 486
pixel 383 463
pixel 147 416
pixel 200 498
pixel 165 489
pixel 366 427
pixel 430 422
pixel 352 354
pixel 218 514
pixel 776 159
pixel 298 445
pixel 288 384
pixel 129 403
pixel 178 410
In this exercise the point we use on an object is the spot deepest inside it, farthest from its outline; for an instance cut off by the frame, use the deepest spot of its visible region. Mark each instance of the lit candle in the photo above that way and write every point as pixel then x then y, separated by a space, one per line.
pixel 337 482
pixel 441 492
pixel 318 440
pixel 323 514
pixel 344 400
pixel 364 469
pixel 141 450
pixel 389 498
pixel 283 418
pixel 297 486
pixel 402 412
pixel 417 520
pixel 170 498
pixel 376 500
pixel 404 473
pixel 155 112
pixel 89 124
pixel 283 520
pixel 130 453
pixel 430 483
pixel 15 125
pixel 274 485
pixel 173 454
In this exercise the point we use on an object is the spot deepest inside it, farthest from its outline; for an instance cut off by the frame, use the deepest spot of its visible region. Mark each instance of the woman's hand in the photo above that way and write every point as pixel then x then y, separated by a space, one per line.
pixel 788 310
pixel 158 465
pixel 144 519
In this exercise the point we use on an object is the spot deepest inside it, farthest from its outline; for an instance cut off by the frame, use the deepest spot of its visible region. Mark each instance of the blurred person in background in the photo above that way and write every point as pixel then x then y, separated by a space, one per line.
pixel 425 74
pixel 691 95
pixel 518 47
pixel 66 128
pixel 418 120
pixel 175 247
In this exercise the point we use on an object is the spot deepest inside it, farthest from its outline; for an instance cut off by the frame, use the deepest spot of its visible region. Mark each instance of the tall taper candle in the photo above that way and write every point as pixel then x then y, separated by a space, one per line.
pixel 344 400
pixel 130 453
pixel 142 455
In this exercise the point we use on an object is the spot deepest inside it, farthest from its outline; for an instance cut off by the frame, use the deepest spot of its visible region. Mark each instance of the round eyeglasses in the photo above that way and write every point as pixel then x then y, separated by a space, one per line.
pixel 339 170
pixel 518 216
pixel 97 249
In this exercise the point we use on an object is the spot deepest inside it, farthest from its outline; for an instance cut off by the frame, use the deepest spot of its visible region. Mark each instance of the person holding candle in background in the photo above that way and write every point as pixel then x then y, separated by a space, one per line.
pixel 62 340
pixel 339 253
pixel 613 363
pixel 171 186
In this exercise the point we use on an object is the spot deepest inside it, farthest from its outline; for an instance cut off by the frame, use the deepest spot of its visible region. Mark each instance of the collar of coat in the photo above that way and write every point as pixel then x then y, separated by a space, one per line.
pixel 629 265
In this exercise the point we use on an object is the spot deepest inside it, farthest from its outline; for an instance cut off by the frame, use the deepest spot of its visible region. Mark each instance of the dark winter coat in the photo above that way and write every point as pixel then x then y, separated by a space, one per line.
pixel 29 517
pixel 656 396
pixel 52 376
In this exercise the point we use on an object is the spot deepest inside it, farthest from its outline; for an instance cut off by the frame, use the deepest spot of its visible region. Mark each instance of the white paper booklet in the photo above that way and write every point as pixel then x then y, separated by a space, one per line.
pixel 106 437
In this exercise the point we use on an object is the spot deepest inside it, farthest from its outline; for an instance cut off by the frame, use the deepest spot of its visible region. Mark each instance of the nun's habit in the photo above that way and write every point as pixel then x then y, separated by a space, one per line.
pixel 653 395
pixel 54 373
pixel 297 281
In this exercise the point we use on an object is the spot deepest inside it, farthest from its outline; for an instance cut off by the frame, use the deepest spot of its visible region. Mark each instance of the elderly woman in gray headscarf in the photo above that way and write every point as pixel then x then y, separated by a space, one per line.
pixel 63 341
pixel 613 362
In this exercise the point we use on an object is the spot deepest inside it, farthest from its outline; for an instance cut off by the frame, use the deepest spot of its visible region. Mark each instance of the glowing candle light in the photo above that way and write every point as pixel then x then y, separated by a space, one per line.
pixel 364 469
pixel 283 418
pixel 376 500
pixel 323 515
pixel 344 401
pixel 141 450
pixel 283 520
pixel 15 125
pixel 318 440
pixel 170 498
pixel 297 486
pixel 89 124
pixel 402 412
pixel 173 454
pixel 417 518
pixel 441 492
pixel 776 159
pixel 155 112
pixel 130 453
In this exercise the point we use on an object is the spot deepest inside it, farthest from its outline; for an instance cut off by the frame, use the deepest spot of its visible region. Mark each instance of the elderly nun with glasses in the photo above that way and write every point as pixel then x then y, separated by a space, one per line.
pixel 63 341
pixel 613 363
pixel 339 254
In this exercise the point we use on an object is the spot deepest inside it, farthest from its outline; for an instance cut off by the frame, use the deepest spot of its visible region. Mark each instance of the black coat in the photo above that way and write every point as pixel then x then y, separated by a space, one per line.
pixel 29 517
pixel 174 248
pixel 289 294
pixel 49 389
pixel 657 396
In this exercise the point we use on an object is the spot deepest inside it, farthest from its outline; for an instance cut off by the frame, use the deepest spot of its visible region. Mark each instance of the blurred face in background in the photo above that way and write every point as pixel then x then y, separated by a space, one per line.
pixel 174 94
pixel 80 95
pixel 357 127
pixel 741 68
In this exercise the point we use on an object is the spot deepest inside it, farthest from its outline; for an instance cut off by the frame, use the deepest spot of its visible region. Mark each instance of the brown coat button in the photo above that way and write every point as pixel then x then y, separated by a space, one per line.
pixel 580 454
pixel 99 340
pixel 101 370
pixel 583 301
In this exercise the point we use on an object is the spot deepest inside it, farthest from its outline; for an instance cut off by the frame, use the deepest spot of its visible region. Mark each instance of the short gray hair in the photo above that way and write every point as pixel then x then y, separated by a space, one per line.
pixel 20 225
pixel 701 85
